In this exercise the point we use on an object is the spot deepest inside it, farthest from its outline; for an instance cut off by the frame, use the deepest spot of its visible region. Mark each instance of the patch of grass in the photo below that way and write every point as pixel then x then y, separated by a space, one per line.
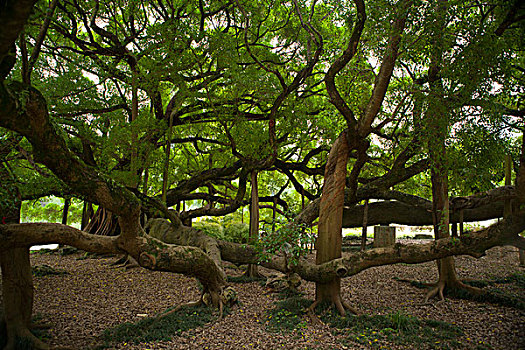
pixel 373 331
pixel 287 315
pixel 43 251
pixel 492 295
pixel 517 278
pixel 46 270
pixel 369 331
pixel 155 329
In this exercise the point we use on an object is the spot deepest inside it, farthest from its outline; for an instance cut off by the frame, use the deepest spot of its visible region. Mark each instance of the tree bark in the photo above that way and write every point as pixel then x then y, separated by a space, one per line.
pixel 17 278
pixel 252 270
pixel 329 240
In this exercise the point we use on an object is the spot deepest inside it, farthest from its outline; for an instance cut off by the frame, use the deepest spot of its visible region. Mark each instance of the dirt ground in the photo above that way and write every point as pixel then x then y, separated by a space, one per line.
pixel 94 296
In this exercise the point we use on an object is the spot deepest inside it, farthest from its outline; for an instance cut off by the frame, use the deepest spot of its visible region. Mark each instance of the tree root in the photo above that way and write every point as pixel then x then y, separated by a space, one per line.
pixel 178 308
pixel 442 286
pixel 28 338
pixel 227 296
pixel 126 261
pixel 338 303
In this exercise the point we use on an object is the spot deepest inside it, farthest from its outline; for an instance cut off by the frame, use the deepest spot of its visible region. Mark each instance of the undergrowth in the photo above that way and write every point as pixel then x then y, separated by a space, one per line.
pixel 46 270
pixel 158 329
pixel 370 331
pixel 491 294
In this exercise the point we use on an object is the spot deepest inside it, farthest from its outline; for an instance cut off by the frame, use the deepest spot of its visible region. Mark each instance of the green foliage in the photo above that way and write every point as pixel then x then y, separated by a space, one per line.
pixel 237 232
pixel 211 229
pixel 225 229
pixel 291 240
pixel 162 328
pixel 50 209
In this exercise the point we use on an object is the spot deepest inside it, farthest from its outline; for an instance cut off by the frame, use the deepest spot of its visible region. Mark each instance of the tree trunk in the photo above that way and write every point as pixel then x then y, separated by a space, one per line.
pixel 103 223
pixel 365 226
pixel 65 211
pixel 87 213
pixel 252 270
pixel 17 279
pixel 329 241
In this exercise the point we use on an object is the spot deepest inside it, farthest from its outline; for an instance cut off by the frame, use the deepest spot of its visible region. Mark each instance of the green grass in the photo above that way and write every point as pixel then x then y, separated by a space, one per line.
pixel 494 296
pixel 375 330
pixel 46 270
pixel 370 331
pixel 288 314
pixel 155 329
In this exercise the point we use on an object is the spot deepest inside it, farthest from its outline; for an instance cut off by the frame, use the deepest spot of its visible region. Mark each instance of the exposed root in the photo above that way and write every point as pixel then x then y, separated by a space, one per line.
pixel 310 311
pixel 252 271
pixel 126 261
pixel 437 289
pixel 32 341
pixel 338 303
pixel 177 308
pixel 442 286
pixel 350 308
pixel 339 306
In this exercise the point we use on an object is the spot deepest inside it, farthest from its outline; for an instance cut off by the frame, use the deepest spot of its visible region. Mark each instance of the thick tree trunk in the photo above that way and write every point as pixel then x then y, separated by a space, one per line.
pixel 329 241
pixel 17 279
pixel 17 291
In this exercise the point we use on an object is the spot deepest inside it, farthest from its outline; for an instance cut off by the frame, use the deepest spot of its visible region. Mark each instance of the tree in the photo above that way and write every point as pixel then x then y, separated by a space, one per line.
pixel 267 83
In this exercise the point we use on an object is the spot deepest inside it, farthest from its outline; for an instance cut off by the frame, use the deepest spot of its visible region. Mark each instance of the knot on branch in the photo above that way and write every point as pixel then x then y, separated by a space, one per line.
pixel 341 270
pixel 147 260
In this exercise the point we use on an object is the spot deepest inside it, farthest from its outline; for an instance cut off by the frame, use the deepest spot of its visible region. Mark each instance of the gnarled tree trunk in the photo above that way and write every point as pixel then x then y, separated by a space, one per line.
pixel 329 241
pixel 17 279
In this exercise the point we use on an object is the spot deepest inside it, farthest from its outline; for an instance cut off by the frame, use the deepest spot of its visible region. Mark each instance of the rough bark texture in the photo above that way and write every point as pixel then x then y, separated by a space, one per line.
pixel 329 241
pixel 186 236
pixel 17 278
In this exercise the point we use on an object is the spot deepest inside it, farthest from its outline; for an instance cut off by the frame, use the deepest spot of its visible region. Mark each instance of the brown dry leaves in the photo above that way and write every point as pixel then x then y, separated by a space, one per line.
pixel 95 296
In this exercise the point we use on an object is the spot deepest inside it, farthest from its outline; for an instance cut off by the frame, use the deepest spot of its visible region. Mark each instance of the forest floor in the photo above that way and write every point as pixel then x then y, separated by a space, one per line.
pixel 92 296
